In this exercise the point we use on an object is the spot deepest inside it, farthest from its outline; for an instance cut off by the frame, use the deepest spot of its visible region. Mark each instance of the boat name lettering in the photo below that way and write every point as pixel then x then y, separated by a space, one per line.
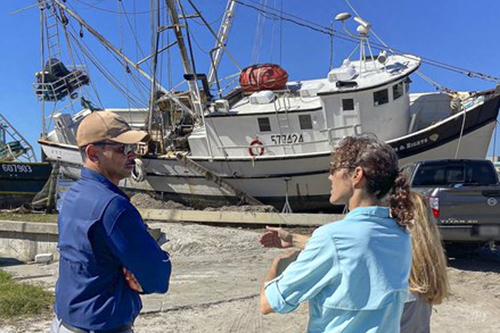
pixel 279 139
pixel 17 168
pixel 413 144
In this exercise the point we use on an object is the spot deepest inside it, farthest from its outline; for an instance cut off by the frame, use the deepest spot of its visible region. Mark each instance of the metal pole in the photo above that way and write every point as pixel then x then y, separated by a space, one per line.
pixel 188 69
pixel 222 38
pixel 154 48
pixel 43 7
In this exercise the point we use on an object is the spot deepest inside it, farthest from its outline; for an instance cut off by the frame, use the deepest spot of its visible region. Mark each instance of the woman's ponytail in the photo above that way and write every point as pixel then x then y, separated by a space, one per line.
pixel 400 201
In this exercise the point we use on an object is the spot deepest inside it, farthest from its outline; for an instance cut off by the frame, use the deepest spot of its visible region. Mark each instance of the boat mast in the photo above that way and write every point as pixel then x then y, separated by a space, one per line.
pixel 188 69
pixel 221 41
pixel 155 23
pixel 43 7
pixel 186 61
pixel 119 53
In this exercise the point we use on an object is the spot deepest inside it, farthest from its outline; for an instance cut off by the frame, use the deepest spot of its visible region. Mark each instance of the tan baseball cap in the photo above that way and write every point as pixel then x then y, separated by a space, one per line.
pixel 106 126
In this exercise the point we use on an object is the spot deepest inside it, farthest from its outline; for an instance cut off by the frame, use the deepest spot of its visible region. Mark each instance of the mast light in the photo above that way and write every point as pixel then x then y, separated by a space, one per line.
pixel 363 22
pixel 342 17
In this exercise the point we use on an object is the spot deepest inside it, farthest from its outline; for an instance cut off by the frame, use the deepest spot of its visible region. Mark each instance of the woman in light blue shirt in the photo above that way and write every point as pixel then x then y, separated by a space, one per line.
pixel 354 273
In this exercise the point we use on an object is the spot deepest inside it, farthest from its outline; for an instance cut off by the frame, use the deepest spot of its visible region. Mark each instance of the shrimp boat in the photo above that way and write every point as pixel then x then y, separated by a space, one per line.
pixel 21 176
pixel 269 139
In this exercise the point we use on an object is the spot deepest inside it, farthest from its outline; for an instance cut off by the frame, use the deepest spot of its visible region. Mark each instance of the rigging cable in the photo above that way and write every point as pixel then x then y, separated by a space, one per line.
pixel 259 31
pixel 104 71
pixel 214 34
pixel 132 30
pixel 114 11
pixel 281 33
pixel 122 44
pixel 125 65
pixel 343 36
pixel 119 60
pixel 83 61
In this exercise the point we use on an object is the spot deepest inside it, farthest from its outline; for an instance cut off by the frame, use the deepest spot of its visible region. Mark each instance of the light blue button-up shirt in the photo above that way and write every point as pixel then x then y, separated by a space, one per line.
pixel 354 273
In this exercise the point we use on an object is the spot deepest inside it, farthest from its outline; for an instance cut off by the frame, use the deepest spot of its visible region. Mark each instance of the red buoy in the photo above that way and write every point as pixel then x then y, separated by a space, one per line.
pixel 263 77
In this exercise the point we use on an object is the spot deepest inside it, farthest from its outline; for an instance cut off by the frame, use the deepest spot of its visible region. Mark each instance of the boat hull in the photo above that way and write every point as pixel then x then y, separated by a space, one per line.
pixel 20 182
pixel 301 178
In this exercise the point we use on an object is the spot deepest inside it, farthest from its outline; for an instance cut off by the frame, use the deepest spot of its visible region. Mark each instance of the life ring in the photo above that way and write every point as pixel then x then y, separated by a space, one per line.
pixel 256 148
pixel 138 173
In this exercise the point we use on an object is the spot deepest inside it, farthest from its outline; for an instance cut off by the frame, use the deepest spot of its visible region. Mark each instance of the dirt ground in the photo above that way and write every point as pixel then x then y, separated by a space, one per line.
pixel 215 283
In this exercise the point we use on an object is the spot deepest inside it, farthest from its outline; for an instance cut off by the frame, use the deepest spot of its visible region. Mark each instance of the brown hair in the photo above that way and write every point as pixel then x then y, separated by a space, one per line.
pixel 380 166
pixel 428 272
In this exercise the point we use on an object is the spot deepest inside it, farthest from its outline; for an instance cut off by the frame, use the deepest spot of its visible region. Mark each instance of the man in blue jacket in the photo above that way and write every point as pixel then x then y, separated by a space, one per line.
pixel 107 257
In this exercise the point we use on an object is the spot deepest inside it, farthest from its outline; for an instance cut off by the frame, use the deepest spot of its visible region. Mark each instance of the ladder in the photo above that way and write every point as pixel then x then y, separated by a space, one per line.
pixel 8 131
pixel 51 24
pixel 198 168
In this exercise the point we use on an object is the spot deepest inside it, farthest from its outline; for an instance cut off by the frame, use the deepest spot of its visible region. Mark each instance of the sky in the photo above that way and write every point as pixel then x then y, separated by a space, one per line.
pixel 461 33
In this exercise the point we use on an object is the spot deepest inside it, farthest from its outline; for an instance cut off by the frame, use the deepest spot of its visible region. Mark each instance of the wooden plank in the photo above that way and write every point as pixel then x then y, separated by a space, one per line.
pixel 190 216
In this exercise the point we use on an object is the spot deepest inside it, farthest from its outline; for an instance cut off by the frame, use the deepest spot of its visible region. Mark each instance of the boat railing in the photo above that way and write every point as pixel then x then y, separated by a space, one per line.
pixel 51 88
pixel 334 137
pixel 282 103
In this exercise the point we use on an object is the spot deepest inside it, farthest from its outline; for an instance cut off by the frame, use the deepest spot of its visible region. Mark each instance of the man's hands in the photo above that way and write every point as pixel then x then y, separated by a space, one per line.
pixel 276 237
pixel 132 281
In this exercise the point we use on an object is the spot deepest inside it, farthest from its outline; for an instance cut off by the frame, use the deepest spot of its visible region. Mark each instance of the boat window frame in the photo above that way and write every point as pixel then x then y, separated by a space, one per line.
pixel 353 104
pixel 308 122
pixel 398 87
pixel 263 127
pixel 407 82
pixel 376 103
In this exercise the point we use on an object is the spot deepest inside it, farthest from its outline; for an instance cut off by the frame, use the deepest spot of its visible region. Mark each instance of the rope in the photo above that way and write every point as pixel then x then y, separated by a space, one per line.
pixel 495 140
pixel 461 134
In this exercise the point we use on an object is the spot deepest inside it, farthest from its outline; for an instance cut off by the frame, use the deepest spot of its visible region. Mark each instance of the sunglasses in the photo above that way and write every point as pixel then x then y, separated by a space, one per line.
pixel 122 148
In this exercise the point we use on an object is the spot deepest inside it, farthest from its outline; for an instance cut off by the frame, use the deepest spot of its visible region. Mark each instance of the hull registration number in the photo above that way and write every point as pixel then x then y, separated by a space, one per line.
pixel 279 139
pixel 16 168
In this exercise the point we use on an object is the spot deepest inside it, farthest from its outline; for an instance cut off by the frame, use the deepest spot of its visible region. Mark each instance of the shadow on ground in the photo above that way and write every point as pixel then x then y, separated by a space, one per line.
pixel 474 258
pixel 5 262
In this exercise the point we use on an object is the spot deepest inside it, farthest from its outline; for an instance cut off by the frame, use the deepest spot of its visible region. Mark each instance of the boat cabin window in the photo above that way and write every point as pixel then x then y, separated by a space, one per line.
pixel 264 124
pixel 348 104
pixel 397 90
pixel 407 84
pixel 380 97
pixel 305 121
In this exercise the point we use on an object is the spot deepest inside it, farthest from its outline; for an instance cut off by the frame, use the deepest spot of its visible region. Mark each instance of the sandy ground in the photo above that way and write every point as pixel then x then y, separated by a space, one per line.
pixel 215 283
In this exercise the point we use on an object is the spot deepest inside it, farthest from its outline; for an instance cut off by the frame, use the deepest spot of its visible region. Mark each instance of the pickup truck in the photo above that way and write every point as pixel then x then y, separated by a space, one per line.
pixel 464 196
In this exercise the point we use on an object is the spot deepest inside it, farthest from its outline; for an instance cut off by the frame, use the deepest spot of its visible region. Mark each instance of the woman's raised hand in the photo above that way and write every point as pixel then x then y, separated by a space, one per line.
pixel 276 237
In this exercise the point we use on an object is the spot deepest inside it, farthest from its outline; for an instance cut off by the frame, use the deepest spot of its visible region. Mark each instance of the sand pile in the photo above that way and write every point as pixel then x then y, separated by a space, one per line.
pixel 196 239
pixel 145 200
